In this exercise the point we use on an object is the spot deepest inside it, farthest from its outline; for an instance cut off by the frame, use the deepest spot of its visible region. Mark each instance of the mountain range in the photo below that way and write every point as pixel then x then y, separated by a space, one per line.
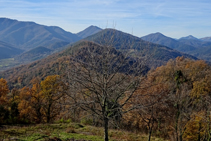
pixel 17 37
pixel 151 54
pixel 53 47
pixel 28 35
pixel 199 48
pixel 155 54
pixel 161 39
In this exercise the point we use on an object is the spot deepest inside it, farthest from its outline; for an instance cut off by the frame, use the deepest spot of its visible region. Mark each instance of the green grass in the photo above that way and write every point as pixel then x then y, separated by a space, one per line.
pixel 7 63
pixel 65 131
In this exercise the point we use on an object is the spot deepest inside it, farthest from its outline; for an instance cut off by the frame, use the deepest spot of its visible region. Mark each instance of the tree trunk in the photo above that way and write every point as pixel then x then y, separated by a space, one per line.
pixel 150 133
pixel 49 113
pixel 39 114
pixel 180 137
pixel 105 129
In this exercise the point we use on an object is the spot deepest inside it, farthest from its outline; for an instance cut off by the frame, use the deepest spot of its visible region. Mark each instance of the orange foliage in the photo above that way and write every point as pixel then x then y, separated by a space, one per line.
pixel 3 91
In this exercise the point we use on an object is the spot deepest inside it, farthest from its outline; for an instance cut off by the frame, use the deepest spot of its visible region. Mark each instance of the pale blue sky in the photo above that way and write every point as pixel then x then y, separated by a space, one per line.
pixel 174 18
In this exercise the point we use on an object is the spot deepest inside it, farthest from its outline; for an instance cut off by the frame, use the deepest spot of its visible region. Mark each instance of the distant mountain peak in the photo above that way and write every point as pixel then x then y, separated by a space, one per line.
pixel 161 39
pixel 28 35
pixel 89 31
pixel 93 26
pixel 189 37
pixel 156 34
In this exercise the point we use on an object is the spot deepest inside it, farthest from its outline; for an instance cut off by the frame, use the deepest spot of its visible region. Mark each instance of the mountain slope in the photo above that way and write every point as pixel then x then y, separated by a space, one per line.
pixel 8 51
pixel 152 55
pixel 33 54
pixel 203 53
pixel 195 43
pixel 28 35
pixel 161 39
pixel 53 64
pixel 190 37
pixel 155 54
pixel 89 31
pixel 206 39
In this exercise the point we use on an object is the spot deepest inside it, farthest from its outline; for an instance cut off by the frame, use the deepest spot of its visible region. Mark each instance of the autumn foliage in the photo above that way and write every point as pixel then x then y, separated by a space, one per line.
pixel 172 101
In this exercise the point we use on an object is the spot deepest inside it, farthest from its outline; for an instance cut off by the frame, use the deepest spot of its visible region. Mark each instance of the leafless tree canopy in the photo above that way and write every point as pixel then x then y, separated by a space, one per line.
pixel 105 79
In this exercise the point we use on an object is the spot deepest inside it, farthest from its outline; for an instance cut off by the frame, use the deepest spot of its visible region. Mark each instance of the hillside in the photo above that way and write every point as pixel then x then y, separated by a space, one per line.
pixel 195 42
pixel 89 31
pixel 203 53
pixel 161 39
pixel 189 37
pixel 206 39
pixel 28 35
pixel 154 54
pixel 58 45
pixel 33 54
pixel 8 51
pixel 53 64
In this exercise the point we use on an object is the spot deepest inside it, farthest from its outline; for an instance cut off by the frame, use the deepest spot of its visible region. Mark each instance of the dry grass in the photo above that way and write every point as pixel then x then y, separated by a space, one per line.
pixel 66 132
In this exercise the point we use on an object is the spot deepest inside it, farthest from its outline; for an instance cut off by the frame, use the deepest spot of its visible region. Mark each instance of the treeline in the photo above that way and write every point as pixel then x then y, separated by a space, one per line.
pixel 172 101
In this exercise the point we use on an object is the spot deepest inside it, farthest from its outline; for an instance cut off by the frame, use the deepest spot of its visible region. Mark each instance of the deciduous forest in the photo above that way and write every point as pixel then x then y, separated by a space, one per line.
pixel 171 101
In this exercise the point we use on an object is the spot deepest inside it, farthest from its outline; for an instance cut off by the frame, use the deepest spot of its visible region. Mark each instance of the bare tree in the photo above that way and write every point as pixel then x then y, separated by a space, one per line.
pixel 105 79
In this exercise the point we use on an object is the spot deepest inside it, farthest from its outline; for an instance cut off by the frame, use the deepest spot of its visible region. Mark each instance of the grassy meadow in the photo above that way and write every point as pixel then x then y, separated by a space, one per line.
pixel 66 132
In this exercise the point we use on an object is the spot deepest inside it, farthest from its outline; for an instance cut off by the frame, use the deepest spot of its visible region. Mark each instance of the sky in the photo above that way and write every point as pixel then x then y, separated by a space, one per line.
pixel 173 18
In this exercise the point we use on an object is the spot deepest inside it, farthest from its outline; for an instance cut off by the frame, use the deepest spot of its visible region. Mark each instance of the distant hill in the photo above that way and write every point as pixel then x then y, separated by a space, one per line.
pixel 154 54
pixel 89 31
pixel 203 47
pixel 161 39
pixel 206 39
pixel 195 42
pixel 28 35
pixel 58 45
pixel 203 53
pixel 8 51
pixel 33 54
pixel 190 37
